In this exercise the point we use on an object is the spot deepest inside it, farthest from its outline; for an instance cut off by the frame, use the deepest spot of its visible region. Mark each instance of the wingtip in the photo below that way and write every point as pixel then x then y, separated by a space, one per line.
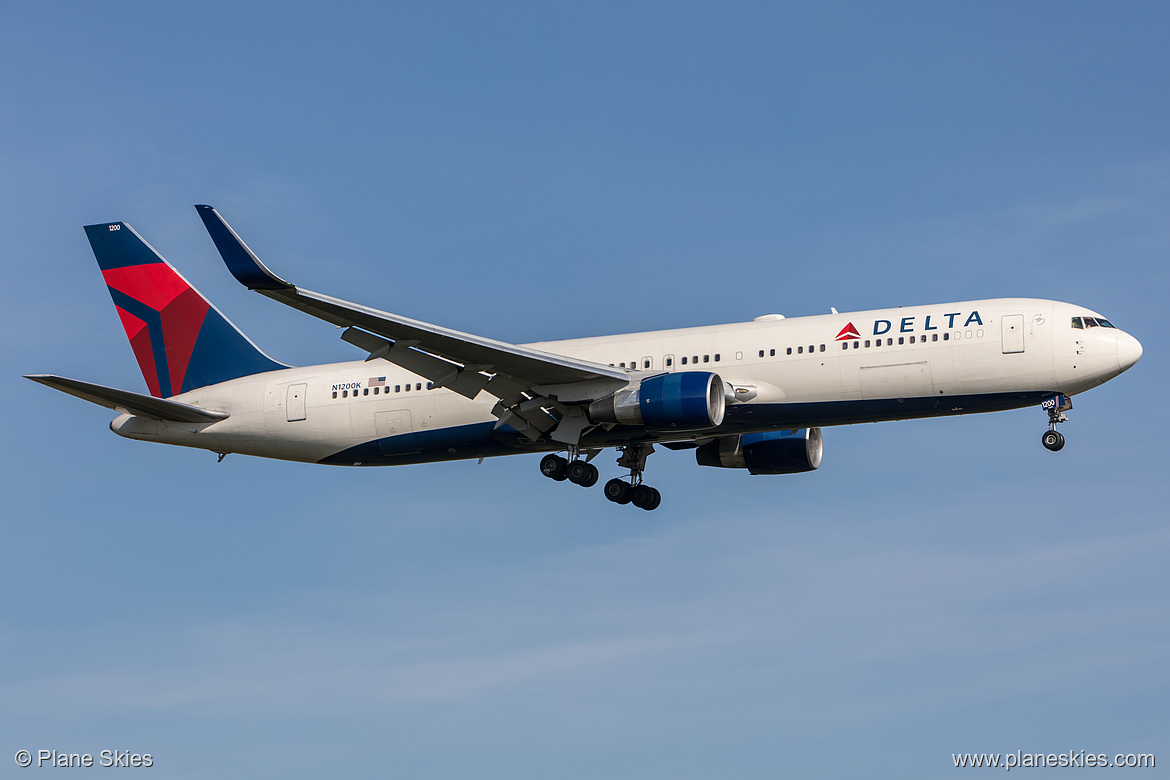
pixel 240 260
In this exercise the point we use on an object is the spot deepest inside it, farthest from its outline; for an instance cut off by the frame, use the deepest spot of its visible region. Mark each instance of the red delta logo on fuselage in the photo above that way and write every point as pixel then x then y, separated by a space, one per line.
pixel 848 332
pixel 910 325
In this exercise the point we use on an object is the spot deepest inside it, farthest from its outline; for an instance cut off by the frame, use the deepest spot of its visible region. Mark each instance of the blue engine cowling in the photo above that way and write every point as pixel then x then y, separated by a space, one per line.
pixel 775 452
pixel 681 401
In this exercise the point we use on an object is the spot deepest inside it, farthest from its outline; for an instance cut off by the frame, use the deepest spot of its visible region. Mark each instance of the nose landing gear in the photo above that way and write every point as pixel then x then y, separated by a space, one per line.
pixel 1056 407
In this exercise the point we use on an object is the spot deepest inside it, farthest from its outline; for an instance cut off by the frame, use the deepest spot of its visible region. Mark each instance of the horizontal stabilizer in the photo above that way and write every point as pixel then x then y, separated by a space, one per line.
pixel 131 403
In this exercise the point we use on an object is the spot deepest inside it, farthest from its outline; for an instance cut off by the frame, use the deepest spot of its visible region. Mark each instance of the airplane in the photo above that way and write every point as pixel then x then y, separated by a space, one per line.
pixel 749 395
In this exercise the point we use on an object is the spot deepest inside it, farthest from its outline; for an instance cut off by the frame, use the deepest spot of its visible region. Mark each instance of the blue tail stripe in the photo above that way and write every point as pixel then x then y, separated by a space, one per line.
pixel 223 353
pixel 153 320
pixel 116 245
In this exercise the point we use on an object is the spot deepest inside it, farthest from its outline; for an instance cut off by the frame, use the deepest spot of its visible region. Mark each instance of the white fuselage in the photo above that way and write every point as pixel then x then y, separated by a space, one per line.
pixel 799 372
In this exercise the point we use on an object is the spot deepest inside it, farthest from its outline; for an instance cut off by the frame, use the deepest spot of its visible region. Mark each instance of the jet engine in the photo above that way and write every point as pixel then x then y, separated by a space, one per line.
pixel 682 401
pixel 774 452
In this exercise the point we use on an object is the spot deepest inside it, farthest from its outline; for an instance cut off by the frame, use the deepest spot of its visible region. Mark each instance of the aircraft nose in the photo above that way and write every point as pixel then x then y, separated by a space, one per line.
pixel 1129 351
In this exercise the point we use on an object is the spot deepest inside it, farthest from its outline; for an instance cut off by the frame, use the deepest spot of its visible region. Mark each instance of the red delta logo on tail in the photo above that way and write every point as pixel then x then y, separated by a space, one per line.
pixel 848 332
pixel 177 312
pixel 180 340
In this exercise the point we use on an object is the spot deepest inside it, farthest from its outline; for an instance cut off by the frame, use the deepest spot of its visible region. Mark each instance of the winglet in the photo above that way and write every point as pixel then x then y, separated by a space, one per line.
pixel 240 260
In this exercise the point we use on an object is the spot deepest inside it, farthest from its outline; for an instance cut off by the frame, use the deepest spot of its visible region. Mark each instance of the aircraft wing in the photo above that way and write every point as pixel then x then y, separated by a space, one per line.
pixel 128 402
pixel 464 362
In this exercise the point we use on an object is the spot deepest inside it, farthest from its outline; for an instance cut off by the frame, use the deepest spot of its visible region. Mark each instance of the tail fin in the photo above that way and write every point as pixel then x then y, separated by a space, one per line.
pixel 181 341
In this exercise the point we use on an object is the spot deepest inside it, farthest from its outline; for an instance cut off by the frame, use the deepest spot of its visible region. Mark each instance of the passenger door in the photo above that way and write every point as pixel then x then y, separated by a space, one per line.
pixel 295 402
pixel 1013 334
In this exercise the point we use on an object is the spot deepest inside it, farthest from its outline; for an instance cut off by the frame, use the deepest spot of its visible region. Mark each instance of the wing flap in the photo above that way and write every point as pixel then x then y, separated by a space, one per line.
pixel 467 380
pixel 128 402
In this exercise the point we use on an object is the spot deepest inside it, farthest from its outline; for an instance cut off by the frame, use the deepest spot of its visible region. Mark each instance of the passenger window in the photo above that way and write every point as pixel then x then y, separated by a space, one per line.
pixel 911 339
pixel 901 340
pixel 810 349
pixel 716 357
pixel 418 385
pixel 345 394
pixel 844 345
pixel 408 388
pixel 398 388
pixel 706 358
pixel 761 353
pixel 790 350
pixel 877 342
pixel 694 358
pixel 684 360
pixel 934 337
pixel 799 350
pixel 623 365
pixel 822 347
pixel 773 353
pixel 856 344
pixel 947 336
pixel 375 391
pixel 889 342
pixel 334 393
pixel 366 391
pixel 867 343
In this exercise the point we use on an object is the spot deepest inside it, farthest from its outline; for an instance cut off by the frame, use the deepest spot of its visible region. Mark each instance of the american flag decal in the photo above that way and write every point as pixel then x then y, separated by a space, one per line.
pixel 377 381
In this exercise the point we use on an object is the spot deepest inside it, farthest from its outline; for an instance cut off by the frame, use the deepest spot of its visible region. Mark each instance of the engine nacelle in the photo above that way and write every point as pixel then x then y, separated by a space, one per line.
pixel 681 401
pixel 775 452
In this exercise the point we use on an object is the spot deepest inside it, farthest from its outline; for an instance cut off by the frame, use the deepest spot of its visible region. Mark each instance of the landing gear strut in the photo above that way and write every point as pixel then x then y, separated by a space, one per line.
pixel 583 473
pixel 1056 407
pixel 633 492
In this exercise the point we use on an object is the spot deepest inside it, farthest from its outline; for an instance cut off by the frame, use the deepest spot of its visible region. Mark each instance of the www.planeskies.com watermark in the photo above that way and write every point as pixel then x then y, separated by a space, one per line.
pixel 1072 758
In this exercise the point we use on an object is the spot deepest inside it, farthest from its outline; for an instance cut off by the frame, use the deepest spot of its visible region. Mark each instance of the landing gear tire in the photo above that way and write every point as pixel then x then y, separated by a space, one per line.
pixel 582 473
pixel 554 467
pixel 617 491
pixel 1053 440
pixel 645 497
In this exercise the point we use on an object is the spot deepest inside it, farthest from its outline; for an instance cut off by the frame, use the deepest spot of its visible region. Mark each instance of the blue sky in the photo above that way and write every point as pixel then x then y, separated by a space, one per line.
pixel 533 171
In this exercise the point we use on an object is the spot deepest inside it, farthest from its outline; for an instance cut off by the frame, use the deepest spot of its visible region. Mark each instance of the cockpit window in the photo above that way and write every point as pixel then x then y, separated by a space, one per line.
pixel 1076 323
pixel 1104 323
pixel 1090 322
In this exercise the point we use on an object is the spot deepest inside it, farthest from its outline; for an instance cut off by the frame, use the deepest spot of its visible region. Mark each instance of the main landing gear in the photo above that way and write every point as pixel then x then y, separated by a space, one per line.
pixel 1056 407
pixel 619 491
pixel 578 472
pixel 634 492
